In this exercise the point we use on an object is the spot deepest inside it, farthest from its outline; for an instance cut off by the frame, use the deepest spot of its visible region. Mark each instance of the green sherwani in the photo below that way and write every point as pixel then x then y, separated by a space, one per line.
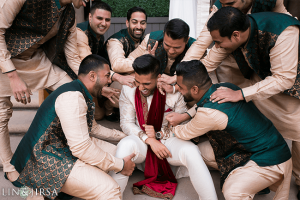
pixel 43 157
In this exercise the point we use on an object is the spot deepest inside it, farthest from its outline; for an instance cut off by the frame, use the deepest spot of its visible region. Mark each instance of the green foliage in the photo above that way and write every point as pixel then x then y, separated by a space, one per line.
pixel 154 8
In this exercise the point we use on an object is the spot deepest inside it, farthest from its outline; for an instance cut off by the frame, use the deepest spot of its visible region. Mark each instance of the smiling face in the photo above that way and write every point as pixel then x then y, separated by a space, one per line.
pixel 224 42
pixel 174 47
pixel 137 25
pixel 183 89
pixel 103 79
pixel 100 21
pixel 146 83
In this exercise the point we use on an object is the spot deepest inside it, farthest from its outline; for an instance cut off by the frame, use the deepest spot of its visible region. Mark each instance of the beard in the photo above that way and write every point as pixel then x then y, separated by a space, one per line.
pixel 97 90
pixel 188 97
pixel 131 32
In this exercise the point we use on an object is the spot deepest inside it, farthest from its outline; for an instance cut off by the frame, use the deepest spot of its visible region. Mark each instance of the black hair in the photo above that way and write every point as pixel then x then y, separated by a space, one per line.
pixel 177 29
pixel 100 5
pixel 193 73
pixel 92 62
pixel 135 9
pixel 146 64
pixel 227 20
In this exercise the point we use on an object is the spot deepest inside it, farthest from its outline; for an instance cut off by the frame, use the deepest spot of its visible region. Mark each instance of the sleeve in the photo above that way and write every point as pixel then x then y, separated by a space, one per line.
pixel 71 109
pixel 198 48
pixel 8 11
pixel 83 44
pixel 180 106
pixel 71 50
pixel 284 62
pixel 107 134
pixel 205 120
pixel 116 55
pixel 214 58
pixel 280 8
pixel 192 111
pixel 128 116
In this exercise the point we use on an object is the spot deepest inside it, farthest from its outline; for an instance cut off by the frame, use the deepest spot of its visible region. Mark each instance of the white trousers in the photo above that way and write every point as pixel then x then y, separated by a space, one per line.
pixel 184 153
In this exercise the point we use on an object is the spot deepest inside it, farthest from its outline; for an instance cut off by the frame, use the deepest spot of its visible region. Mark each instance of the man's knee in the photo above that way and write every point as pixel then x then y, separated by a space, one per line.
pixel 127 146
pixel 5 111
pixel 111 191
pixel 236 191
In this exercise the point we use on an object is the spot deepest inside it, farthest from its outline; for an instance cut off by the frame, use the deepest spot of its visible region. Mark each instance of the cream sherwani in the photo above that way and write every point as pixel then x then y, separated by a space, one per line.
pixel 116 54
pixel 243 182
pixel 33 66
pixel 184 153
pixel 283 110
pixel 120 64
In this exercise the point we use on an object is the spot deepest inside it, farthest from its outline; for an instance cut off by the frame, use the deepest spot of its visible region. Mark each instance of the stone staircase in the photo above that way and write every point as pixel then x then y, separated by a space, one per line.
pixel 21 120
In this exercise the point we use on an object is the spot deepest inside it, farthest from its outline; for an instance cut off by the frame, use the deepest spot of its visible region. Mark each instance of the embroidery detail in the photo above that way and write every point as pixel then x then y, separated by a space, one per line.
pixel 224 144
pixel 51 161
pixel 151 193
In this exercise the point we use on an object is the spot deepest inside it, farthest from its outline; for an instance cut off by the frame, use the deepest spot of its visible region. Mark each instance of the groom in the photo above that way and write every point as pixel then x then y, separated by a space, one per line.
pixel 143 111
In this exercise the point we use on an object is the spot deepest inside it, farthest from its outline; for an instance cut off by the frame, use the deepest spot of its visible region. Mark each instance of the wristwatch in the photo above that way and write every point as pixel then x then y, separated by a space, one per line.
pixel 158 135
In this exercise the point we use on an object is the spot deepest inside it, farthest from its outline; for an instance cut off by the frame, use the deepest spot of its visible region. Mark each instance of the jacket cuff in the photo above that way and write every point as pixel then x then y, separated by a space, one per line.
pixel 192 111
pixel 119 164
pixel 7 66
pixel 246 94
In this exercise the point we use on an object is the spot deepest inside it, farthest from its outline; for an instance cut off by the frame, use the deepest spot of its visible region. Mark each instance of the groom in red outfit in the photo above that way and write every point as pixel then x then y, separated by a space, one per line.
pixel 142 111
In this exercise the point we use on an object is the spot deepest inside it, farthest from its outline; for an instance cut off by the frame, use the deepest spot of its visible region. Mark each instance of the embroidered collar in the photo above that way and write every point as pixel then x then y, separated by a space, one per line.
pixel 206 96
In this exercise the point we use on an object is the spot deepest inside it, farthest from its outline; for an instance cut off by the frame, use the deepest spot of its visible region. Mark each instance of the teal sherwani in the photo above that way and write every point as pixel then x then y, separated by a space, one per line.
pixel 249 135
pixel 265 29
pixel 161 54
pixel 43 157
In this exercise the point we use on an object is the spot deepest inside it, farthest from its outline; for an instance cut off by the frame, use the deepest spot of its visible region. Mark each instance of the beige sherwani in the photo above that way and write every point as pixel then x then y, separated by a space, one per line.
pixel 33 66
pixel 116 54
pixel 88 178
pixel 283 110
pixel 85 50
pixel 120 64
pixel 243 182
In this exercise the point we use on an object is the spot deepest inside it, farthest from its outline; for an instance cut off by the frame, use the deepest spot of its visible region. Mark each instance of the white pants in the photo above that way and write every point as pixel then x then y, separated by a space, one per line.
pixel 184 153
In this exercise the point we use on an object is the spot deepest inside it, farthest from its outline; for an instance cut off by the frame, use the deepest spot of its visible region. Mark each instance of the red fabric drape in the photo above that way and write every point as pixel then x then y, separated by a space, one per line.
pixel 159 179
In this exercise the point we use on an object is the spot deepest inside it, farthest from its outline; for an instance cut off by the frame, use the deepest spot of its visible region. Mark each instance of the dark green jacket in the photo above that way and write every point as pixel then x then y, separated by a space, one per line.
pixel 265 29
pixel 97 46
pixel 127 42
pixel 34 21
pixel 161 54
pixel 249 135
pixel 43 157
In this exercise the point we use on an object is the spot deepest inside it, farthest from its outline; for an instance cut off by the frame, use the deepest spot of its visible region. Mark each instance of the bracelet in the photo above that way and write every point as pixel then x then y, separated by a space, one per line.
pixel 174 89
pixel 112 76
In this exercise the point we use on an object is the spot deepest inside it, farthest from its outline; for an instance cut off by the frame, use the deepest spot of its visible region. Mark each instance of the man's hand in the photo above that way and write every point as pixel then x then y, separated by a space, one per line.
pixel 160 150
pixel 152 51
pixel 128 165
pixel 111 93
pixel 176 118
pixel 19 88
pixel 125 80
pixel 224 94
pixel 150 132
pixel 167 79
